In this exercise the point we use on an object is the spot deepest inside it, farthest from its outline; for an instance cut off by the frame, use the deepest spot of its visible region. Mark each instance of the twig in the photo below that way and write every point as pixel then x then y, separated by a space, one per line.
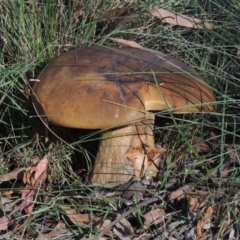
pixel 131 210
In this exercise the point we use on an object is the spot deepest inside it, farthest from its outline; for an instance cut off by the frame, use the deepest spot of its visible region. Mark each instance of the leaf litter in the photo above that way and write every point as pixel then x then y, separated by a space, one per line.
pixel 192 204
pixel 32 178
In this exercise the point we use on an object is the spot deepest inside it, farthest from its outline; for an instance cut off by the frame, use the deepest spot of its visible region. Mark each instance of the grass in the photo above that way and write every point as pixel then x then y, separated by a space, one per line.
pixel 34 32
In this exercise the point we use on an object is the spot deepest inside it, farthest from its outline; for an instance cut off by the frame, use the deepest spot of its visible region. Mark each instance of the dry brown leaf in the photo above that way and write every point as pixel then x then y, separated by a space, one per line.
pixel 179 19
pixel 201 223
pixel 4 221
pixel 41 169
pixel 19 173
pixel 154 217
pixel 123 229
pixel 29 176
pixel 7 193
pixel 179 193
pixel 32 177
pixel 134 189
pixel 193 204
pixel 138 46
pixel 226 225
pixel 58 231
pixel 8 204
pixel 77 218
pixel 101 225
pixel 233 234
pixel 127 43
pixel 16 174
pixel 80 219
pixel 195 199
pixel 43 237
pixel 27 196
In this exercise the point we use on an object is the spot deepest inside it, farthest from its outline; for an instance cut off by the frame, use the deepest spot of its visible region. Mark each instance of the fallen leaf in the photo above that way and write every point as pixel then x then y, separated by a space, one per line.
pixel 201 223
pixel 41 169
pixel 101 225
pixel 58 231
pixel 195 199
pixel 136 189
pixel 32 177
pixel 232 234
pixel 154 217
pixel 226 225
pixel 123 229
pixel 81 219
pixel 7 193
pixel 29 176
pixel 4 221
pixel 19 173
pixel 127 43
pixel 138 46
pixel 174 18
pixel 8 204
pixel 193 204
pixel 59 228
pixel 179 193
pixel 16 174
pixel 27 204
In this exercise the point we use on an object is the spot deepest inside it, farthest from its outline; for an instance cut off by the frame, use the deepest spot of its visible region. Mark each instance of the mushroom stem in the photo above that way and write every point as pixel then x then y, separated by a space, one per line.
pixel 111 165
pixel 127 152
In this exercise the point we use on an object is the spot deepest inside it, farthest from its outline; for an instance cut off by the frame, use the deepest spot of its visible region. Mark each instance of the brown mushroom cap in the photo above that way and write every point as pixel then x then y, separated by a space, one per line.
pixel 100 87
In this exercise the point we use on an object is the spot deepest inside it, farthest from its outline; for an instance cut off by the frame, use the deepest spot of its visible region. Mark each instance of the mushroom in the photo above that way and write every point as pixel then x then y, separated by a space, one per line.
pixel 116 89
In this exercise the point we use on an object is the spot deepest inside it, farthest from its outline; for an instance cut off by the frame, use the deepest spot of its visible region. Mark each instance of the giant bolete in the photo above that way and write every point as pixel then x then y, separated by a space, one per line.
pixel 116 89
